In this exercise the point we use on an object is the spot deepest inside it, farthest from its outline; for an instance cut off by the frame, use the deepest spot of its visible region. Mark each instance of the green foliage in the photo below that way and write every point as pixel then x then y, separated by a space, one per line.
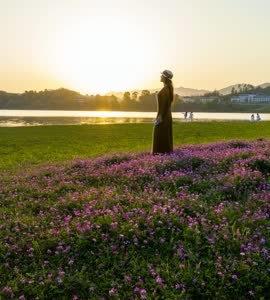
pixel 64 99
pixel 28 146
pixel 193 228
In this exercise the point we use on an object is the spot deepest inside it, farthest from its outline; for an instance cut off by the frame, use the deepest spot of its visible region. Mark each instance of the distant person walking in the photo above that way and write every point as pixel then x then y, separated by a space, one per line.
pixel 162 133
pixel 252 118
pixel 185 115
pixel 191 116
pixel 258 118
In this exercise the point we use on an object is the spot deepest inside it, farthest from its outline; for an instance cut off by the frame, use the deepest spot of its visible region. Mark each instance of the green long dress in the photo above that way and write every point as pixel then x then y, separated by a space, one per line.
pixel 162 134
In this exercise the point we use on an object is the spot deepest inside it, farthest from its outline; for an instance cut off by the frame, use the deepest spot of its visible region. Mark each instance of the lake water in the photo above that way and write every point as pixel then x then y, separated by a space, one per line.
pixel 12 118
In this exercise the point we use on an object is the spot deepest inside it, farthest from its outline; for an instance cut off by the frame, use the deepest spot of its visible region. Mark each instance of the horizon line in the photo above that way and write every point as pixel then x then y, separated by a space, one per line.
pixel 123 91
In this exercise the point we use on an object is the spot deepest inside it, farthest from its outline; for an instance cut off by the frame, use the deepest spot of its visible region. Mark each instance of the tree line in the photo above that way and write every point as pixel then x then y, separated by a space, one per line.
pixel 250 89
pixel 64 99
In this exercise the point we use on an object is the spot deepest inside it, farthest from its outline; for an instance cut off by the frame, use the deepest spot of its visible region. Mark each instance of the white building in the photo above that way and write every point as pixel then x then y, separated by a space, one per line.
pixel 261 99
pixel 208 99
pixel 188 99
pixel 251 99
pixel 198 99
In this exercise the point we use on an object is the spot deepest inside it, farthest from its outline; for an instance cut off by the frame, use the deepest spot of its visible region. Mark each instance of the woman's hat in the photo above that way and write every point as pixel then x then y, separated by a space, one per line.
pixel 168 74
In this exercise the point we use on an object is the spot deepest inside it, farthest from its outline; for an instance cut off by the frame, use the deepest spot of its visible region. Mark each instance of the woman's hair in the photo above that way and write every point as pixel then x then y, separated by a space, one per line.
pixel 169 84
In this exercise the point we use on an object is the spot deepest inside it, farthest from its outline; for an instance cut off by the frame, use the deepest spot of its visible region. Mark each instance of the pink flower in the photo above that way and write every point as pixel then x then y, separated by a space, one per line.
pixel 127 278
pixel 7 289
pixel 59 280
pixel 142 291
pixel 112 291
pixel 159 280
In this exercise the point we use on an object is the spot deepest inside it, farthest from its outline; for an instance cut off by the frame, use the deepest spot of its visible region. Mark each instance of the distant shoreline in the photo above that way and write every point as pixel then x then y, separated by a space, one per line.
pixel 49 121
pixel 16 118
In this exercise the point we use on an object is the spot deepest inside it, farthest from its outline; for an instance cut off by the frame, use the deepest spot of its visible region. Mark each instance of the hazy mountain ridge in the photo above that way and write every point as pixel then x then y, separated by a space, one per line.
pixel 68 99
pixel 188 92
pixel 264 85
pixel 227 90
pixel 181 91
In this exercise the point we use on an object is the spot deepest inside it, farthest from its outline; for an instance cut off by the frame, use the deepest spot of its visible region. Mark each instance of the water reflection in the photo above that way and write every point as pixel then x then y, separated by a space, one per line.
pixel 12 118
pixel 41 121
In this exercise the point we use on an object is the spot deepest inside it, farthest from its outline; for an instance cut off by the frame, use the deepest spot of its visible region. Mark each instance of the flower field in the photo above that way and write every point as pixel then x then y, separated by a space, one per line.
pixel 191 225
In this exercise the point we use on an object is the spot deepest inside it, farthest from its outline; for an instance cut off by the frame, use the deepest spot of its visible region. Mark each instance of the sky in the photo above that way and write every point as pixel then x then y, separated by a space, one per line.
pixel 98 46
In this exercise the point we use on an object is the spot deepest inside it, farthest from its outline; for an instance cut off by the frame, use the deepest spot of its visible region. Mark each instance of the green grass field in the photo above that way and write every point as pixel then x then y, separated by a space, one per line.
pixel 24 147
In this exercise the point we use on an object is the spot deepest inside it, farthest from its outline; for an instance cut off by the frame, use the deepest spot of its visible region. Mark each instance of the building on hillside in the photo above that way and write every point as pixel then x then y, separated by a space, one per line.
pixel 261 99
pixel 200 99
pixel 251 99
pixel 189 99
pixel 208 99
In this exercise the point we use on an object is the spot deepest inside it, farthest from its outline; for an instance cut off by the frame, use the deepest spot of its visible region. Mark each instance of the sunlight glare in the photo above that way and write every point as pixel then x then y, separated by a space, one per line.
pixel 102 59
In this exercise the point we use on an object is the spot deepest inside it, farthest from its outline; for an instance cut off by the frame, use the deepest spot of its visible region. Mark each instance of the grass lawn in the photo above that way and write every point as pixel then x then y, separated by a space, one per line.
pixel 24 147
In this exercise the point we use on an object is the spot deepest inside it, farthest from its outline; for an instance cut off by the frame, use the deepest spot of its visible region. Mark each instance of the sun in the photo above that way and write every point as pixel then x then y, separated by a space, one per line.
pixel 102 58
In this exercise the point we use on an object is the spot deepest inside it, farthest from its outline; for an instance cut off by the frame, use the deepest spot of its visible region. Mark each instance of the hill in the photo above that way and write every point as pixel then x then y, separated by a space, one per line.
pixel 227 90
pixel 143 100
pixel 181 91
pixel 264 85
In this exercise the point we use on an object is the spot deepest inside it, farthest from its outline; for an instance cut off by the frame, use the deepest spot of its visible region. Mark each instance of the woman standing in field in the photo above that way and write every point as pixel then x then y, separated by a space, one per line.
pixel 162 135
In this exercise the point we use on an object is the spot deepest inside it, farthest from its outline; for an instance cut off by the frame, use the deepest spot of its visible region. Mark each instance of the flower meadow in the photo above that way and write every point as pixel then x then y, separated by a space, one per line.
pixel 190 225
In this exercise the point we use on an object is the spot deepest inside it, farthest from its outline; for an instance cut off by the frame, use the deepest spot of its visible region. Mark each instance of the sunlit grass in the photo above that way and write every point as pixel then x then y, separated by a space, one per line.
pixel 24 147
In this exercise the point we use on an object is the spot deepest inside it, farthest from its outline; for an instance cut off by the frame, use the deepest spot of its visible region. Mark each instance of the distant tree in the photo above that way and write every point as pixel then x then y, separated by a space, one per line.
pixel 147 101
pixel 177 103
pixel 128 103
pixel 145 93
pixel 250 87
pixel 126 96
pixel 214 93
pixel 112 103
pixel 244 88
pixel 134 96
